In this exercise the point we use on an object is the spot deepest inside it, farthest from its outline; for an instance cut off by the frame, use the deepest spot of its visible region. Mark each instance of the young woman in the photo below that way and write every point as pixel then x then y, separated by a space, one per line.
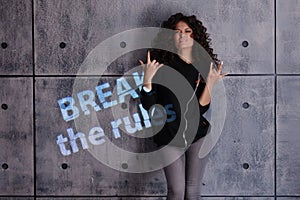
pixel 184 175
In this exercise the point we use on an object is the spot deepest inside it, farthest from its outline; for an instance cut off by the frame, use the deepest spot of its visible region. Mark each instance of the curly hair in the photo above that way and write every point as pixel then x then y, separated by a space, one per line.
pixel 199 35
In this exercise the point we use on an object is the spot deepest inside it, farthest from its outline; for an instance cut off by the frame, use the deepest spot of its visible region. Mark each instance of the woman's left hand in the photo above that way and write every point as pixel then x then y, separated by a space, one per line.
pixel 215 75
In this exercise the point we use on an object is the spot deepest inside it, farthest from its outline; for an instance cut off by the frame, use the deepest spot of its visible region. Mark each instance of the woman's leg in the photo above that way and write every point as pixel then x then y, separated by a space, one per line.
pixel 175 176
pixel 195 168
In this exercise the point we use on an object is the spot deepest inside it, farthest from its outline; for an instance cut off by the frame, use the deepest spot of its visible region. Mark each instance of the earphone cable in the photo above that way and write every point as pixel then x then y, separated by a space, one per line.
pixel 187 108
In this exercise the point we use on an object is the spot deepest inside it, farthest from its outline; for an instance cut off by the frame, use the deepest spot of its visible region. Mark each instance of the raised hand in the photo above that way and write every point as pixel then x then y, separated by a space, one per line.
pixel 212 77
pixel 215 75
pixel 150 70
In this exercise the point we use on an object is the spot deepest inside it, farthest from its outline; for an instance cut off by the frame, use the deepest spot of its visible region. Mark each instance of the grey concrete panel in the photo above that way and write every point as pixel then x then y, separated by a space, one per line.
pixel 16 32
pixel 242 161
pixel 238 198
pixel 16 198
pixel 85 175
pixel 288 198
pixel 287 37
pixel 107 198
pixel 232 22
pixel 288 158
pixel 16 138
pixel 159 198
pixel 83 25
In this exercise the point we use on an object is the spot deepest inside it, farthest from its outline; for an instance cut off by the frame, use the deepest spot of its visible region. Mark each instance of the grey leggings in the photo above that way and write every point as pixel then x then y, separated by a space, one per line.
pixel 184 176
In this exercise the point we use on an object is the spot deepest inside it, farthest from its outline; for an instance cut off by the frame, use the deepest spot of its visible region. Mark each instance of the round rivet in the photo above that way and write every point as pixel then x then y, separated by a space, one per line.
pixel 245 43
pixel 4 166
pixel 203 183
pixel 4 106
pixel 245 105
pixel 124 105
pixel 4 45
pixel 123 44
pixel 245 165
pixel 64 166
pixel 124 165
pixel 62 45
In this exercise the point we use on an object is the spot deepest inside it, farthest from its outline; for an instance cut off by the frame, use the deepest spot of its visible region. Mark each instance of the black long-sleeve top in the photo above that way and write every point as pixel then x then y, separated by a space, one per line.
pixel 176 104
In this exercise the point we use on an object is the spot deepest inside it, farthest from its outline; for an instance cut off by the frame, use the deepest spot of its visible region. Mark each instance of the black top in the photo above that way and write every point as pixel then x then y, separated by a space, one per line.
pixel 179 94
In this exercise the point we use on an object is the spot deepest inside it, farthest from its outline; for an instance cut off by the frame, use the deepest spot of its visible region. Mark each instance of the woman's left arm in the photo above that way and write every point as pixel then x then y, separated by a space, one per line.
pixel 212 78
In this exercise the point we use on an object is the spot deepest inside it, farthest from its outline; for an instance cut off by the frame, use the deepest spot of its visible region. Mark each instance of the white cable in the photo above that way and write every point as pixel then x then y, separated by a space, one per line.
pixel 186 110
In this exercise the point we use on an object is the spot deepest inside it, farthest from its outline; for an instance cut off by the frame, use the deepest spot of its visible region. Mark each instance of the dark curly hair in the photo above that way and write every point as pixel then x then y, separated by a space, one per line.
pixel 199 35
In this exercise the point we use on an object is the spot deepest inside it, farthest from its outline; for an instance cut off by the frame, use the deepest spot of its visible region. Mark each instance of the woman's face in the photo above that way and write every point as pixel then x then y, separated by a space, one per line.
pixel 183 36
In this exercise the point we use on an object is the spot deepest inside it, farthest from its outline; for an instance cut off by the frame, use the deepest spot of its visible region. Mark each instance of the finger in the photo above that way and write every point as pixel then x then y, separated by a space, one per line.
pixel 220 67
pixel 159 66
pixel 224 75
pixel 142 64
pixel 210 67
pixel 153 62
pixel 148 57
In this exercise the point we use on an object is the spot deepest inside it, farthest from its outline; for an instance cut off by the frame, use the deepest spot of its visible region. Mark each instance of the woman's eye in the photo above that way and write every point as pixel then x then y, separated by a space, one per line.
pixel 188 31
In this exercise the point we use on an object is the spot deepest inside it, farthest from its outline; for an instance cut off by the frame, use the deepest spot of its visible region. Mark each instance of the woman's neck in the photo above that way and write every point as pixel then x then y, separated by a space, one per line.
pixel 186 55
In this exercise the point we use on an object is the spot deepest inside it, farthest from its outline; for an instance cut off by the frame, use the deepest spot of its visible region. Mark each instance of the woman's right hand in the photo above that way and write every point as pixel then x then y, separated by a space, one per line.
pixel 150 70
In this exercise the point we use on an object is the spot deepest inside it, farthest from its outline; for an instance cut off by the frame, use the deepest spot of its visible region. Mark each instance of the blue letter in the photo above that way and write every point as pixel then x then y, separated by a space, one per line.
pixel 102 95
pixel 128 126
pixel 121 82
pixel 89 101
pixel 95 135
pixel 65 107
pixel 115 129
pixel 73 138
pixel 60 141
pixel 138 79
pixel 145 116
pixel 170 112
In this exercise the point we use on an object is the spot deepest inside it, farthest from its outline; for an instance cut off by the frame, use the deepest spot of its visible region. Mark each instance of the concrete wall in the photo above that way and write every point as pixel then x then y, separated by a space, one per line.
pixel 43 44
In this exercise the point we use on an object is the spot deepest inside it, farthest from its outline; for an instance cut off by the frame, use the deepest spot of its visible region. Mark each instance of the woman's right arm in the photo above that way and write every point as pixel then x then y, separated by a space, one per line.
pixel 149 92
pixel 150 70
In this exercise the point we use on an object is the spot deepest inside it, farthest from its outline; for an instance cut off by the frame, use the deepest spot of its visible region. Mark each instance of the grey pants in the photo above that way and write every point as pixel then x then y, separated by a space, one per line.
pixel 184 176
